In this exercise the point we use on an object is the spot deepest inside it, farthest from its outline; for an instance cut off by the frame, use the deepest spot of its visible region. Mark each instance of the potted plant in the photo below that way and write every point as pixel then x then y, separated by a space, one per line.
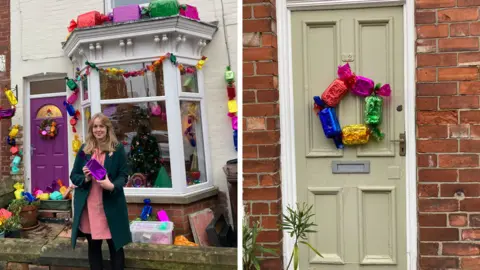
pixel 26 210
pixel 9 223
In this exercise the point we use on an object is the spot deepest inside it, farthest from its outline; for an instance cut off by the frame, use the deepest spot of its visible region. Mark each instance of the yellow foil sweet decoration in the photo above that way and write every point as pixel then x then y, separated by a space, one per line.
pixel 232 106
pixel 11 97
pixel 13 133
pixel 355 134
pixel 19 188
pixel 44 196
pixel 76 144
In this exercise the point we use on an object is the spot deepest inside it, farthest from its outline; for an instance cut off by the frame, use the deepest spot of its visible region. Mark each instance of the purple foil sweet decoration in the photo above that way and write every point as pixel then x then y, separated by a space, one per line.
pixel 126 13
pixel 8 113
pixel 96 169
pixel 363 87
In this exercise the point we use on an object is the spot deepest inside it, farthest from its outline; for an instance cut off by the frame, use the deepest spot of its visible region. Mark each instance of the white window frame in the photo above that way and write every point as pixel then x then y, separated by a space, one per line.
pixel 174 124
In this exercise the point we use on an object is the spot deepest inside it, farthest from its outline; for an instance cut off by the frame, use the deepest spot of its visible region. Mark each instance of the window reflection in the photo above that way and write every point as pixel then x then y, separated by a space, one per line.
pixel 118 87
pixel 193 142
pixel 142 129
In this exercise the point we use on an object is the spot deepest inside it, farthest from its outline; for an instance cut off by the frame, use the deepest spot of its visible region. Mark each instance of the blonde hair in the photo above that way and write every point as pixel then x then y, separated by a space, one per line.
pixel 110 142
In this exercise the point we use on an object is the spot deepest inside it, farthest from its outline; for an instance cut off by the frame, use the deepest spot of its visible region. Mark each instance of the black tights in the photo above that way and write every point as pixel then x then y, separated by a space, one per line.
pixel 117 258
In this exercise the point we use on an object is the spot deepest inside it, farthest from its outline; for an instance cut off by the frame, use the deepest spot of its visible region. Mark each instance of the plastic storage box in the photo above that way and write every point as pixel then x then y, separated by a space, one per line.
pixel 152 232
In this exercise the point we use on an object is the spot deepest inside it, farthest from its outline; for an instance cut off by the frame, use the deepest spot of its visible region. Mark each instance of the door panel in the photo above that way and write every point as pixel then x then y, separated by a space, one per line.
pixel 49 156
pixel 360 217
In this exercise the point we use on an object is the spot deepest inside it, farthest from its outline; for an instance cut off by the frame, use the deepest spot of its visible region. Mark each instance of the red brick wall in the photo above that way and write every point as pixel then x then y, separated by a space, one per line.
pixel 4 80
pixel 178 213
pixel 261 133
pixel 448 124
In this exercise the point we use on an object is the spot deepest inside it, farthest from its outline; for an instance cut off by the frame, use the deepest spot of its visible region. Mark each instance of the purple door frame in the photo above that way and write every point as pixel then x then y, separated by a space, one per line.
pixel 49 158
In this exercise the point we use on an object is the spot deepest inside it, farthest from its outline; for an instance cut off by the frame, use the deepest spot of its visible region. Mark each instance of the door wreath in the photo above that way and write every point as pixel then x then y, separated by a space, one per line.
pixel 48 129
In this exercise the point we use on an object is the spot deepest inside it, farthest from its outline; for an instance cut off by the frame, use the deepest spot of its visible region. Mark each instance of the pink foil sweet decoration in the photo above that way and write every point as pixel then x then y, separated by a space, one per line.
pixel 385 90
pixel 235 123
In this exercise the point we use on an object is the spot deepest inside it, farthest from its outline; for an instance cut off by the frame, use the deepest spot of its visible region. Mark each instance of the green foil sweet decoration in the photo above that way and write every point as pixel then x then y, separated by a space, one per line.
pixel 163 8
pixel 373 110
pixel 376 133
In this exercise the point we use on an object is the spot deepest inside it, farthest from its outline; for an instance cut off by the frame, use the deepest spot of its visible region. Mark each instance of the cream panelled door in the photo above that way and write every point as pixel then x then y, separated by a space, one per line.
pixel 360 216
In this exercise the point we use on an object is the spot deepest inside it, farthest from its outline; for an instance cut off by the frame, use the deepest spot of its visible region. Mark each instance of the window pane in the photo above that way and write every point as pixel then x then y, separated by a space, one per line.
pixel 193 142
pixel 86 116
pixel 84 86
pixel 142 129
pixel 189 80
pixel 117 86
pixel 47 87
pixel 119 3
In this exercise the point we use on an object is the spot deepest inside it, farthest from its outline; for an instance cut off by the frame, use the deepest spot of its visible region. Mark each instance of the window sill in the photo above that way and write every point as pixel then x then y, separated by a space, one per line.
pixel 174 199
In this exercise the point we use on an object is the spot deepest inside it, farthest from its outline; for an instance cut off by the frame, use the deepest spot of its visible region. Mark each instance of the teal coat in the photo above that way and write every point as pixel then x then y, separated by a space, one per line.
pixel 114 202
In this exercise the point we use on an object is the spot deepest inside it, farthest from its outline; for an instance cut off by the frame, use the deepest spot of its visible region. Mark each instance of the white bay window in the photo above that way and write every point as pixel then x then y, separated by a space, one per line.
pixel 159 116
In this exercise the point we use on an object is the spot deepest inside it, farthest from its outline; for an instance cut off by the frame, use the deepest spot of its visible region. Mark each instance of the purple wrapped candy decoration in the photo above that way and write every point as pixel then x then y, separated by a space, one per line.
pixel 363 87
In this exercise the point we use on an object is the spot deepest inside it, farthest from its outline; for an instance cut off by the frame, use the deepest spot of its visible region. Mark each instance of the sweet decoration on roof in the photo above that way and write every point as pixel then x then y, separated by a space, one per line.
pixel 88 19
pixel 162 8
pixel 189 11
pixel 360 86
pixel 126 13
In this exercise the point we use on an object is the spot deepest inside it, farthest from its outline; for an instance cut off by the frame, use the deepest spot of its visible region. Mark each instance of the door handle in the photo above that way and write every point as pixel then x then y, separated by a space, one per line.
pixel 402 143
pixel 32 148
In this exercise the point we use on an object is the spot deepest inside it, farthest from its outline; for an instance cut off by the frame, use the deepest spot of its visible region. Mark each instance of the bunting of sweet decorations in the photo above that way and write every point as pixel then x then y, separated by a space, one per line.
pixel 358 134
pixel 15 151
pixel 73 86
pixel 232 103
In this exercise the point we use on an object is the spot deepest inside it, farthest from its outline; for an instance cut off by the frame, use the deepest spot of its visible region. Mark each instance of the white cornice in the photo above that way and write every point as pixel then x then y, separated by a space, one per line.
pixel 177 25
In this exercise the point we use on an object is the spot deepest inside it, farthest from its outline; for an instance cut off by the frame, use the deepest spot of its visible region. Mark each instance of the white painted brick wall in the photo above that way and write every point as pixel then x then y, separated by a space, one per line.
pixel 39 26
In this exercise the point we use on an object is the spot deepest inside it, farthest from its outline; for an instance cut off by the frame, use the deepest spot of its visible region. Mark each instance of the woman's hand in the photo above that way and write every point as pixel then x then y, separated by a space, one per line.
pixel 87 173
pixel 106 184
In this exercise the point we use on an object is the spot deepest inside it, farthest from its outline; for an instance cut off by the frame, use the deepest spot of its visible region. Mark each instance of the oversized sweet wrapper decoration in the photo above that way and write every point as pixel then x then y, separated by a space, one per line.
pixel 232 106
pixel 126 13
pixel 374 110
pixel 73 97
pixel 44 197
pixel 231 92
pixel 331 126
pixel 71 84
pixel 339 87
pixel 355 134
pixel 56 196
pixel 147 210
pixel 70 108
pixel 13 133
pixel 363 87
pixel 96 169
pixel 19 188
pixel 11 97
pixel 189 12
pixel 163 8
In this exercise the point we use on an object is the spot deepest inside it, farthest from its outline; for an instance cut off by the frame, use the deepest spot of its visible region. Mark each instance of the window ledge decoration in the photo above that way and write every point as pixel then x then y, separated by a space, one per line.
pixel 106 43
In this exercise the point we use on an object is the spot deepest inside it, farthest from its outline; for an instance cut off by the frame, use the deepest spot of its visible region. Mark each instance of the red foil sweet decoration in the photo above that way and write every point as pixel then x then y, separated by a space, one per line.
pixel 334 93
pixel 90 19
pixel 339 88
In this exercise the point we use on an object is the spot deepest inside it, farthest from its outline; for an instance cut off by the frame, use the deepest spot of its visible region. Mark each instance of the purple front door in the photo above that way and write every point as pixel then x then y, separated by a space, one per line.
pixel 49 156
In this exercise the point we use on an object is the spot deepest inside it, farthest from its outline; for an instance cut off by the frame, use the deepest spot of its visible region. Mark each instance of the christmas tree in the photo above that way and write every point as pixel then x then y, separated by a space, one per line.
pixel 144 154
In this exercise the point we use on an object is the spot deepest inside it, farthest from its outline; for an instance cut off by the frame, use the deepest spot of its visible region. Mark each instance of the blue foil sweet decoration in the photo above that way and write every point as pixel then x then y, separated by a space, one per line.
pixel 147 210
pixel 330 124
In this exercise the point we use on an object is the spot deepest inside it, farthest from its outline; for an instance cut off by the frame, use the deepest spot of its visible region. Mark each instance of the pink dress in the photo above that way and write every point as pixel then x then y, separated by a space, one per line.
pixel 93 220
